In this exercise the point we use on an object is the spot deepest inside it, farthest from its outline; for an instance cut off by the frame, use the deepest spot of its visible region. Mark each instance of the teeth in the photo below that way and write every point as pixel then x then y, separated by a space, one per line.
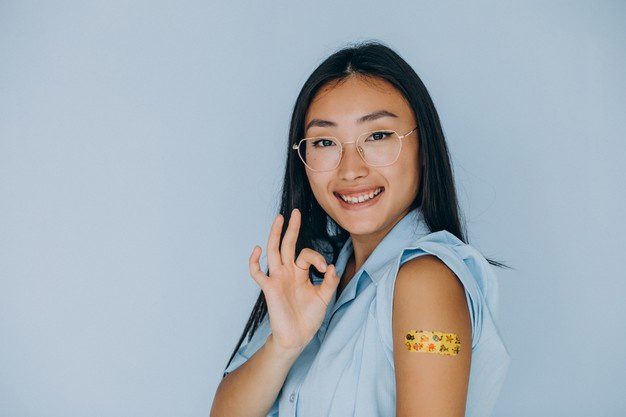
pixel 361 198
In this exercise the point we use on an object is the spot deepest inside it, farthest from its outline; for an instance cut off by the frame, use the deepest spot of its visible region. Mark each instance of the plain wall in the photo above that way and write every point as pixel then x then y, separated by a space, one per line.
pixel 141 154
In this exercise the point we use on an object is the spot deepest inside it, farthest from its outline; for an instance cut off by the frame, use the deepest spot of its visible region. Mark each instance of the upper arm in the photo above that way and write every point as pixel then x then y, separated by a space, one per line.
pixel 428 296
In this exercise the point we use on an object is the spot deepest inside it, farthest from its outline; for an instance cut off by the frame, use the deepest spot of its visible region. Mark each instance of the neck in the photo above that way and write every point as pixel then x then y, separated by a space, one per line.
pixel 364 245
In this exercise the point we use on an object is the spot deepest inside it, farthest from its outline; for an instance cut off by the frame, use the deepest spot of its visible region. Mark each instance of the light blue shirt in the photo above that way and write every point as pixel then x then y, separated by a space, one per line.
pixel 347 369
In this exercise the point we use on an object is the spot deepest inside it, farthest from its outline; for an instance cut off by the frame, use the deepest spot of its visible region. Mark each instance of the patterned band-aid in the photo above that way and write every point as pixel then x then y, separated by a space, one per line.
pixel 432 342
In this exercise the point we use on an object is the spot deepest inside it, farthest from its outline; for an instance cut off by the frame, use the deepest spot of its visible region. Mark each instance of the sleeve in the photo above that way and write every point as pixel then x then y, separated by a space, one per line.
pixel 249 348
pixel 447 248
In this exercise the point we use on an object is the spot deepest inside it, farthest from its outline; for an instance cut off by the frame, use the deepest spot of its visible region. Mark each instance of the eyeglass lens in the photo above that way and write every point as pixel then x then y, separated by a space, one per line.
pixel 377 148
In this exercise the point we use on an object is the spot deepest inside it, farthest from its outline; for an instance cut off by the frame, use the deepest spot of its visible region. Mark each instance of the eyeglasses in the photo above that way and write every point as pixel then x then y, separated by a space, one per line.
pixel 376 148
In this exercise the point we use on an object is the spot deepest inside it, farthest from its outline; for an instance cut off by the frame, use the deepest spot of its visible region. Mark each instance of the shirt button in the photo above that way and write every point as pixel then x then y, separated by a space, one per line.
pixel 292 397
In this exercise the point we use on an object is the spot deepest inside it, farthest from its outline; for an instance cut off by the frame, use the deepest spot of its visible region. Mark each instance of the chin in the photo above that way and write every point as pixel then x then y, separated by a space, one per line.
pixel 361 223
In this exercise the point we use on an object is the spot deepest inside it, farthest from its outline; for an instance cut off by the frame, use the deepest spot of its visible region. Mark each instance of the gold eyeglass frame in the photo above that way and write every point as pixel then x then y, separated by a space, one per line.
pixel 359 149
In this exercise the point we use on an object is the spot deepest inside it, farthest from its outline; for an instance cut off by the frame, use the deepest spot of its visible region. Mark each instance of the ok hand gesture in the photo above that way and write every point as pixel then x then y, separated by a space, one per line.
pixel 296 307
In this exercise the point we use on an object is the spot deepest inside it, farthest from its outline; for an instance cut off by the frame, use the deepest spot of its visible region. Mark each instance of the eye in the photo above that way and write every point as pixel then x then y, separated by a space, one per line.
pixel 379 135
pixel 325 141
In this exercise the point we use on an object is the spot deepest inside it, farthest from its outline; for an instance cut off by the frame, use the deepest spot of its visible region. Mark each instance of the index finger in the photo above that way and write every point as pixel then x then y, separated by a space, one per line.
pixel 273 255
pixel 288 247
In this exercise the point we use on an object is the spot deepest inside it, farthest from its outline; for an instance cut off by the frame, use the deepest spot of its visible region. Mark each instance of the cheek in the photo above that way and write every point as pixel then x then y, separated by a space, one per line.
pixel 319 185
pixel 406 172
pixel 409 153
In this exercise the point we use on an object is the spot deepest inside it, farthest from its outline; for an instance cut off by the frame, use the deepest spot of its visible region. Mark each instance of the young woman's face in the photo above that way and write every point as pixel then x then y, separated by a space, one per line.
pixel 343 104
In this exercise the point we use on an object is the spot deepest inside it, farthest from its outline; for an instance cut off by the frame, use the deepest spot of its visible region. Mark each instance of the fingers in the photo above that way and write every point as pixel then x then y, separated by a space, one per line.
pixel 288 246
pixel 255 268
pixel 284 255
pixel 329 285
pixel 308 257
pixel 273 254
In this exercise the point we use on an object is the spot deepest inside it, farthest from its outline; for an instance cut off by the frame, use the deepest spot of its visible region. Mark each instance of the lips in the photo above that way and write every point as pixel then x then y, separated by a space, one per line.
pixel 357 206
pixel 360 196
pixel 366 189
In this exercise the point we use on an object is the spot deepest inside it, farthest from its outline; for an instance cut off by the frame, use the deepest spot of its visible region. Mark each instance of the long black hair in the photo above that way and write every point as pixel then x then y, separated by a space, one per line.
pixel 436 196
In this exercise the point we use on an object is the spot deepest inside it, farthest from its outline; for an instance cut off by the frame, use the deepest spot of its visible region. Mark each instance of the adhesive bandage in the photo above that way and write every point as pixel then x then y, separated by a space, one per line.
pixel 432 342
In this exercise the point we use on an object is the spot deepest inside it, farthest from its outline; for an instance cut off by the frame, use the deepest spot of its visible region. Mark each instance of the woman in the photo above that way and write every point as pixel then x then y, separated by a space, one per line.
pixel 402 322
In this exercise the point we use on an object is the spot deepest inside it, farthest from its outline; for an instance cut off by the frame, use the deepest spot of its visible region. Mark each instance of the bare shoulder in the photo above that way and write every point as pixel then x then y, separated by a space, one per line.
pixel 429 292
pixel 431 274
pixel 431 339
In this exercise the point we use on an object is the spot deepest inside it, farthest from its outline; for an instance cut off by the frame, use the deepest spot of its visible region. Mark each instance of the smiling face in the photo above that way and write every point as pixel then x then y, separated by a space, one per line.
pixel 342 105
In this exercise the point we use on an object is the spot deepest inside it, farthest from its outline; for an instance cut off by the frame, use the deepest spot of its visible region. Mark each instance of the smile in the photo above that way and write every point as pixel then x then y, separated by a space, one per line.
pixel 360 200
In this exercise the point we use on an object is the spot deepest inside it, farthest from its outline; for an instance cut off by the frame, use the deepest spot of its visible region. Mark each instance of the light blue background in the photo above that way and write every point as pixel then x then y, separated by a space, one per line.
pixel 141 154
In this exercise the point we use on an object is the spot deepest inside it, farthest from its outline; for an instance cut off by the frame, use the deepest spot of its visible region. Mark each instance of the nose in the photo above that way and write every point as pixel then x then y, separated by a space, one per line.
pixel 351 165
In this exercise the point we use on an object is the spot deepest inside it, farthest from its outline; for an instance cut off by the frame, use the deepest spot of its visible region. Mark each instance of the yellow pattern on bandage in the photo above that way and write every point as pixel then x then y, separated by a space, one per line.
pixel 432 342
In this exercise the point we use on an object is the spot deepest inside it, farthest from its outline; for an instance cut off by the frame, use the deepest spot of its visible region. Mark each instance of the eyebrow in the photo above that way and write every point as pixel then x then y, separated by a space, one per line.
pixel 367 118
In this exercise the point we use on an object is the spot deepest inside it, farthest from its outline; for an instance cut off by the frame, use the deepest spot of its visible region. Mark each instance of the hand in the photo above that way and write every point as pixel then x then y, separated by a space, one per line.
pixel 296 307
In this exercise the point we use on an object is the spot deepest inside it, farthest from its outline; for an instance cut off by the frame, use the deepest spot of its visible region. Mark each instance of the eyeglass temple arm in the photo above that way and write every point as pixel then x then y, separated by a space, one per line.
pixel 407 134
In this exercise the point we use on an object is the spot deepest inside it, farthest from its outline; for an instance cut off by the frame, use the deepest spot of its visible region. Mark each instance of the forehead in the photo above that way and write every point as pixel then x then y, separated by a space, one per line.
pixel 353 97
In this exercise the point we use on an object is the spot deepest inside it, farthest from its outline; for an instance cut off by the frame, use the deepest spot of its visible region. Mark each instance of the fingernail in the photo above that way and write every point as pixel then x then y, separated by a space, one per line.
pixel 323 267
